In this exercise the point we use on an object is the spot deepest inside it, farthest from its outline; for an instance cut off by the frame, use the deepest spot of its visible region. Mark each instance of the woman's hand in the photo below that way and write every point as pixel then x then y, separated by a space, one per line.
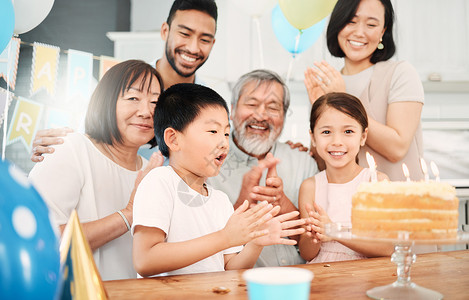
pixel 322 79
pixel 156 160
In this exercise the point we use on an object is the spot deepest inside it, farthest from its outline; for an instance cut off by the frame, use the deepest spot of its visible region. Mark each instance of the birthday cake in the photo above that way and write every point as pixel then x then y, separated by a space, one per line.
pixel 405 210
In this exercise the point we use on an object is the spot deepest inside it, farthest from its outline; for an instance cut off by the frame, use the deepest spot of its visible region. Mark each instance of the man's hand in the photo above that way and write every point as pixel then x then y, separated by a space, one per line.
pixel 274 187
pixel 44 139
pixel 252 179
pixel 298 146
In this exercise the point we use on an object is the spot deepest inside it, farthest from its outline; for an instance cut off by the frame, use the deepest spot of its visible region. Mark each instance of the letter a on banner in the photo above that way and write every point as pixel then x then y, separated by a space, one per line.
pixel 9 63
pixel 44 68
pixel 24 123
pixel 79 74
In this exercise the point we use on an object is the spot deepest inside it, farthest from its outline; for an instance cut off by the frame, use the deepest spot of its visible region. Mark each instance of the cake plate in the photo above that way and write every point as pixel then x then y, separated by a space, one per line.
pixel 403 256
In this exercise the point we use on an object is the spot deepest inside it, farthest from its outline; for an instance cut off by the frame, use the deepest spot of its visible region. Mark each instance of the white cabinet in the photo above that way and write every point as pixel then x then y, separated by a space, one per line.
pixel 147 46
pixel 434 36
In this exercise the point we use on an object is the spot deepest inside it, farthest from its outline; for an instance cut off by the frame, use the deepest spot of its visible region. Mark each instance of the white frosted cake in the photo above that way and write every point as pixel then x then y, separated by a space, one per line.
pixel 414 210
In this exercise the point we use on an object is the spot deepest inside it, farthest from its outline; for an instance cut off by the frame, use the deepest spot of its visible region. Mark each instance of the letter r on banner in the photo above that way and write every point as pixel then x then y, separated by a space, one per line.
pixel 24 123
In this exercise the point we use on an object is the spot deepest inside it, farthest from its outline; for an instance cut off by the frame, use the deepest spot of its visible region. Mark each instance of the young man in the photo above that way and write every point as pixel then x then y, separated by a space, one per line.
pixel 181 224
pixel 189 35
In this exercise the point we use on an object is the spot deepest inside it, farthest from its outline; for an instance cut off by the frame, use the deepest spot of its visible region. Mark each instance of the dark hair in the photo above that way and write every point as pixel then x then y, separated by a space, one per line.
pixel 100 120
pixel 179 105
pixel 343 102
pixel 343 12
pixel 207 6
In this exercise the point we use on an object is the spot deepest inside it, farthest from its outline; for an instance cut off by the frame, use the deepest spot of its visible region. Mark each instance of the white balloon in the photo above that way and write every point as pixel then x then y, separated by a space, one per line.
pixel 255 8
pixel 30 13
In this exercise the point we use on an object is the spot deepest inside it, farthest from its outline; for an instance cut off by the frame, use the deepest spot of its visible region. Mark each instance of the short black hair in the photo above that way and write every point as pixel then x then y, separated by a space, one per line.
pixel 343 12
pixel 207 6
pixel 179 105
pixel 100 120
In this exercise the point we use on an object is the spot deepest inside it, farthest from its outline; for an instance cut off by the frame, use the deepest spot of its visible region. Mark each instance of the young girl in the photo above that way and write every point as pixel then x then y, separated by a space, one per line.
pixel 339 126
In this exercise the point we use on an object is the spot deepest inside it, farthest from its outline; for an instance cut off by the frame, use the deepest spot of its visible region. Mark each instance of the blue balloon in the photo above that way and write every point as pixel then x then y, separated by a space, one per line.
pixel 287 34
pixel 29 246
pixel 7 23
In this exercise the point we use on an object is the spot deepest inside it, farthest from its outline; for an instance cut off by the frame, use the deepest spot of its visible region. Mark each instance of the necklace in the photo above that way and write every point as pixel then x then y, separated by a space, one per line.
pixel 114 159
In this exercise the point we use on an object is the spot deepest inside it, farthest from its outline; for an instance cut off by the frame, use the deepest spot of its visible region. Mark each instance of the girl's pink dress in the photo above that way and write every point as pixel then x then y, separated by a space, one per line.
pixel 336 200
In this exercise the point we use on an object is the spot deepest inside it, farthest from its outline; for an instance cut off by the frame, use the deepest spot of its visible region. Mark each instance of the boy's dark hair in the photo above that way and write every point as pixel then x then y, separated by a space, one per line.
pixel 207 6
pixel 179 105
pixel 344 11
pixel 100 120
pixel 343 102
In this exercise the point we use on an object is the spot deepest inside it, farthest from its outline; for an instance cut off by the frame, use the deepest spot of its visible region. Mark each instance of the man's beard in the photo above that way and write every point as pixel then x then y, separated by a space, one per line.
pixel 172 62
pixel 252 143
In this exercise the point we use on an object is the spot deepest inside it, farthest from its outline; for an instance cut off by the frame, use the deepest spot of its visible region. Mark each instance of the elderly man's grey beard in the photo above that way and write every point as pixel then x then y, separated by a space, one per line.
pixel 255 144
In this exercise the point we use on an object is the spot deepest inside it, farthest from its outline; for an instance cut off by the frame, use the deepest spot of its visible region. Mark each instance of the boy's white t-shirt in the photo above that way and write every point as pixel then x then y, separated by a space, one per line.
pixel 165 201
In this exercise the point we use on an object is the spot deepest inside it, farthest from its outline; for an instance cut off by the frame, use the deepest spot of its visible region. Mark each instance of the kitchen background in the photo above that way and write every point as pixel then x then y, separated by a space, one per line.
pixel 432 34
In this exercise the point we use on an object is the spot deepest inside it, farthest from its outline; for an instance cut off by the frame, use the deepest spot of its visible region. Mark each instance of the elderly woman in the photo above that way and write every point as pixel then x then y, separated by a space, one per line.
pixel 97 173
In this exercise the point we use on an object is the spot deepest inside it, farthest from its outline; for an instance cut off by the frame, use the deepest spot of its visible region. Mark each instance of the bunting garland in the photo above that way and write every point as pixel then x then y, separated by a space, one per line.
pixel 5 101
pixel 45 68
pixel 57 118
pixel 105 63
pixel 79 73
pixel 9 63
pixel 28 113
pixel 24 122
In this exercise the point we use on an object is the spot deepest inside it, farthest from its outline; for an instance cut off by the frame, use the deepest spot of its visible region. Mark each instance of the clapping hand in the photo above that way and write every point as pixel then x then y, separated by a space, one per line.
pixel 322 79
pixel 318 220
pixel 250 189
pixel 279 227
pixel 246 224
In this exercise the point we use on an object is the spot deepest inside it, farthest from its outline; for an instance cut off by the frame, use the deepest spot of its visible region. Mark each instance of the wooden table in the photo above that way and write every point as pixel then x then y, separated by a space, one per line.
pixel 445 272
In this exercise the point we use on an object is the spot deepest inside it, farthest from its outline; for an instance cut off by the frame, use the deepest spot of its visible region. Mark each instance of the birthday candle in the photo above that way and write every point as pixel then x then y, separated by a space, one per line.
pixel 372 166
pixel 405 170
pixel 435 170
pixel 423 165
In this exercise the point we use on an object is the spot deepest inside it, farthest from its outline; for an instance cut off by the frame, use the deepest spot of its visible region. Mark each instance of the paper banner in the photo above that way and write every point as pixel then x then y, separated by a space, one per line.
pixel 9 63
pixel 105 63
pixel 4 103
pixel 81 276
pixel 58 118
pixel 24 123
pixel 79 74
pixel 44 68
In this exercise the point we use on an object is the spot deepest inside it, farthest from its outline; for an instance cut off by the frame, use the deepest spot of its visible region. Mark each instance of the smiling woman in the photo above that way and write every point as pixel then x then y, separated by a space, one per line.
pixel 96 174
pixel 361 31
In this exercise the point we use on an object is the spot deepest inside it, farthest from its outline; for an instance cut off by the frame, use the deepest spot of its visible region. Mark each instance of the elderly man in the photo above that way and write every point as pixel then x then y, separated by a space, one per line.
pixel 260 100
